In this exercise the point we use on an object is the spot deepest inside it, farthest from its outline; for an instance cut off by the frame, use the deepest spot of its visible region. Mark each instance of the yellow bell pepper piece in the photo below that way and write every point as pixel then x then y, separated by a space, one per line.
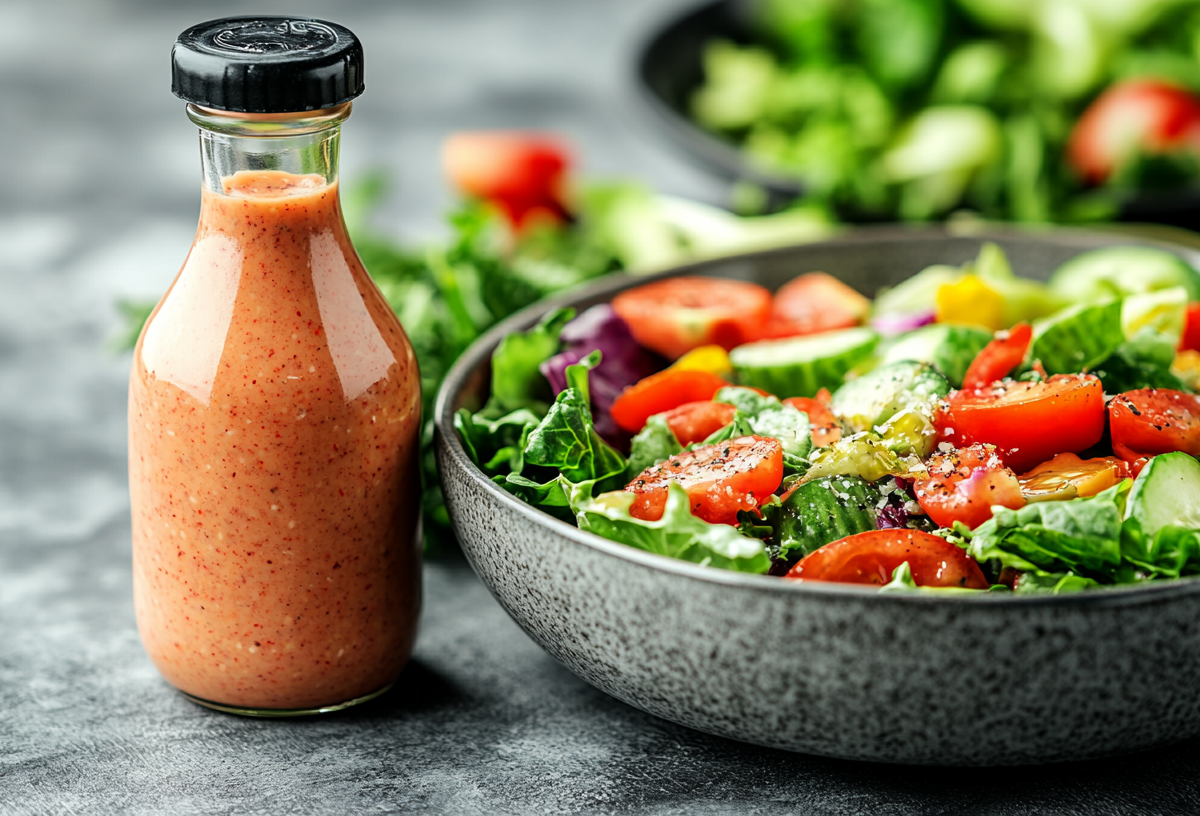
pixel 712 359
pixel 1187 367
pixel 970 300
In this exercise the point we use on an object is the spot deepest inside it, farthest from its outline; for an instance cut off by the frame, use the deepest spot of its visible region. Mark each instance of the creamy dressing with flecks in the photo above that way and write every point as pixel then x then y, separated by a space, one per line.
pixel 274 419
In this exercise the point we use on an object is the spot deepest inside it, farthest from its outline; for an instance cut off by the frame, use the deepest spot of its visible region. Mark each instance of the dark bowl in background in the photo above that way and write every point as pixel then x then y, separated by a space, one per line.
pixel 670 68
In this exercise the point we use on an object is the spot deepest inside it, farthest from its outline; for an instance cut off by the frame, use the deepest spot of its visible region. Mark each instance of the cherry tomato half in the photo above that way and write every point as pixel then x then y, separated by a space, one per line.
pixel 815 302
pixel 696 421
pixel 872 557
pixel 676 315
pixel 1028 422
pixel 1154 420
pixel 662 392
pixel 1191 329
pixel 720 479
pixel 999 357
pixel 1135 116
pixel 964 484
pixel 825 427
pixel 521 173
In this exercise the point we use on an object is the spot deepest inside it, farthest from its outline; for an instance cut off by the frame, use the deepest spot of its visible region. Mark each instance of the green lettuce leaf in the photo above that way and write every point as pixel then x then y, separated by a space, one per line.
pixel 1059 536
pixel 653 443
pixel 1077 338
pixel 566 441
pixel 526 454
pixel 678 534
pixel 496 445
pixel 516 381
pixel 1142 362
pixel 1037 582
pixel 1171 552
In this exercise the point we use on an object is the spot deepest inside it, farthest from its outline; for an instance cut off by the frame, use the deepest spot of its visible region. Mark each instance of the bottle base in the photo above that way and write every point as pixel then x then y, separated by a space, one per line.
pixel 272 713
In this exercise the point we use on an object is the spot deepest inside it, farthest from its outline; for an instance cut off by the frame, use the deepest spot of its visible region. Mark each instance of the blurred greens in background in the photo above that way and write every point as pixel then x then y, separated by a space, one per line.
pixel 911 109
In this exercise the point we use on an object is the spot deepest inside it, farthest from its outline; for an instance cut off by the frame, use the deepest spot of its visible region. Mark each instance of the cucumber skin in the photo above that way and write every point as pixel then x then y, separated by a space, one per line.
pixel 1170 481
pixel 1110 271
pixel 814 515
pixel 1078 338
pixel 799 379
pixel 878 395
pixel 790 382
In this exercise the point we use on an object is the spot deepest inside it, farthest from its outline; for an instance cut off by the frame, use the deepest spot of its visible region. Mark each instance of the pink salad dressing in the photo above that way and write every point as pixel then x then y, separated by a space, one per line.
pixel 274 421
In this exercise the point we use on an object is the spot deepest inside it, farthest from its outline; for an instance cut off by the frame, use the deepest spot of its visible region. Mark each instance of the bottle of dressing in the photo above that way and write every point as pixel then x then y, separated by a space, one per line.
pixel 274 402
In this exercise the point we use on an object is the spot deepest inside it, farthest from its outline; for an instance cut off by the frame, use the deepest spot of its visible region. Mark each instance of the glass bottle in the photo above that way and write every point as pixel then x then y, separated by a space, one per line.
pixel 274 402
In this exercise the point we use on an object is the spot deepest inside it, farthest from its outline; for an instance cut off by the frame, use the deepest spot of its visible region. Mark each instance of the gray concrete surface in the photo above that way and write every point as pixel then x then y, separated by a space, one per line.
pixel 99 201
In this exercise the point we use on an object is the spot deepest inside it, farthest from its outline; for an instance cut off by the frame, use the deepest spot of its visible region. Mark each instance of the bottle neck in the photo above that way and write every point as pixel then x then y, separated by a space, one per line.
pixel 301 144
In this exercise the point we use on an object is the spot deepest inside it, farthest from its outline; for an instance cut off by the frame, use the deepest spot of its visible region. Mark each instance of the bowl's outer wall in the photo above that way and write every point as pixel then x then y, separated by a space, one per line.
pixel 828 670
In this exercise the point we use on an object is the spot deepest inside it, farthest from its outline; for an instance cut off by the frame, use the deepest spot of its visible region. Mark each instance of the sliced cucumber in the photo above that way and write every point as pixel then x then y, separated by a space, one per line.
pixel 790 426
pixel 878 395
pixel 947 346
pixel 1077 338
pixel 1117 271
pixel 825 510
pixel 801 366
pixel 767 416
pixel 1166 493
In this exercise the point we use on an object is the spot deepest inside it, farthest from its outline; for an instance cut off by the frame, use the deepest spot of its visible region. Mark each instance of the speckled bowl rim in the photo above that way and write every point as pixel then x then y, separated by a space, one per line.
pixel 479 352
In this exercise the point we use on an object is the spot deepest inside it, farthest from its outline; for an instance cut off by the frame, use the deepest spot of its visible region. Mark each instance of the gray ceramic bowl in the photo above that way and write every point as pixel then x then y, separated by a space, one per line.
pixel 833 669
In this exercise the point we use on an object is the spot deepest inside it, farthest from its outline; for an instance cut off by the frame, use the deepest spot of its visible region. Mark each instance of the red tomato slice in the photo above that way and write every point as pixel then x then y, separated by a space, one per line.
pixel 872 557
pixel 696 421
pixel 1191 329
pixel 1028 422
pixel 1136 465
pixel 781 329
pixel 813 303
pixel 1152 421
pixel 999 357
pixel 720 479
pixel 964 484
pixel 521 173
pixel 662 392
pixel 1135 116
pixel 825 427
pixel 676 315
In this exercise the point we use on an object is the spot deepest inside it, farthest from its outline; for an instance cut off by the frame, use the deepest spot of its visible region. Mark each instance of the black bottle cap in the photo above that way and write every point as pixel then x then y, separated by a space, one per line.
pixel 267 64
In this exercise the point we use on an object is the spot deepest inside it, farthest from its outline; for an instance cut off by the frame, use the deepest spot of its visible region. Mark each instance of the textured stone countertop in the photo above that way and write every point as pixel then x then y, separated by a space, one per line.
pixel 99 202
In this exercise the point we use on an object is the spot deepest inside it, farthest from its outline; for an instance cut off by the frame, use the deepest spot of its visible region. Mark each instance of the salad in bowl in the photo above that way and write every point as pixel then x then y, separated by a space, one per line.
pixel 969 430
